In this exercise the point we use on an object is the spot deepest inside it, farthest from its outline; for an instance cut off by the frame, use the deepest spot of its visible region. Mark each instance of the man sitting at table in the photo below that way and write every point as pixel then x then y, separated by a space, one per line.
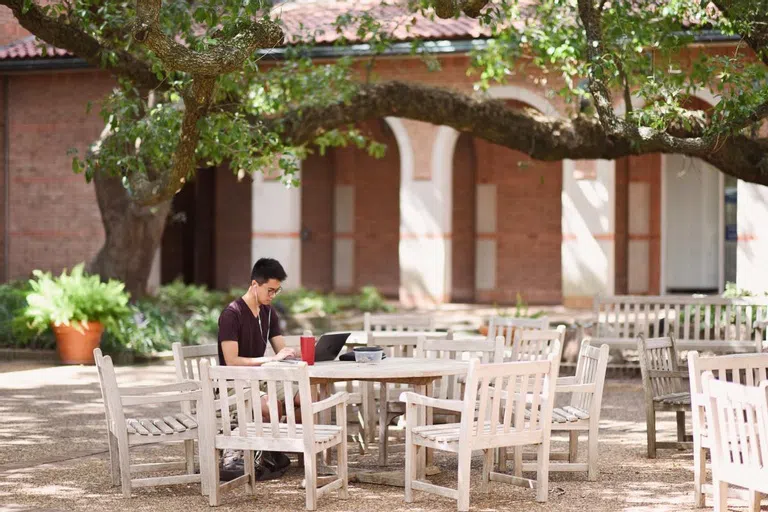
pixel 245 326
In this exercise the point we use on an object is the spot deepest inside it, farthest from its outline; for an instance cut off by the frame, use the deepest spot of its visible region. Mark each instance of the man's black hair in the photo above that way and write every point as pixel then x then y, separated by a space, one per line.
pixel 266 269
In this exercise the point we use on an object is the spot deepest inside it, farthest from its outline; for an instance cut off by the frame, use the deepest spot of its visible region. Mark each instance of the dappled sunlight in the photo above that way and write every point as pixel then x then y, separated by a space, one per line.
pixel 53 455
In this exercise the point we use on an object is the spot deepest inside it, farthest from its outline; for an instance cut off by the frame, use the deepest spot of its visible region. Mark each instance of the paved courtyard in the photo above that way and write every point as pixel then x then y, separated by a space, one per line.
pixel 53 456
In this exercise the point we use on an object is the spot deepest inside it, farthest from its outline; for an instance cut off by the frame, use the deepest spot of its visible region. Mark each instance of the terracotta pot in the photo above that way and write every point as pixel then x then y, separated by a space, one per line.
pixel 77 347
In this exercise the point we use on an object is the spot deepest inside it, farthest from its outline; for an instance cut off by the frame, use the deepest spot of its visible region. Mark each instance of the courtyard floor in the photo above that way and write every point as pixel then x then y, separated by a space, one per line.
pixel 53 456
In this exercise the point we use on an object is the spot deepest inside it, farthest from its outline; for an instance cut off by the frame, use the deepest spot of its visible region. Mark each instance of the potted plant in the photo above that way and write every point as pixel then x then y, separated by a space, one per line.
pixel 77 307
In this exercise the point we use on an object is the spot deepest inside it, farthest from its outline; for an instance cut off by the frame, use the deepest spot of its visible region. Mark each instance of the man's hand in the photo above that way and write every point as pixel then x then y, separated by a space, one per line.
pixel 286 352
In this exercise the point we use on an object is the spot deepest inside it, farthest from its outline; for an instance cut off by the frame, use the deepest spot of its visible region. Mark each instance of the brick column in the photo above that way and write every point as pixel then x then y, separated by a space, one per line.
pixel 276 222
pixel 588 224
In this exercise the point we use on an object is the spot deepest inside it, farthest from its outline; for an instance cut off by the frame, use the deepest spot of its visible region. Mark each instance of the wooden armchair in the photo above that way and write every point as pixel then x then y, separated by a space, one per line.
pixel 737 417
pixel 748 369
pixel 665 388
pixel 251 432
pixel 492 415
pixel 123 432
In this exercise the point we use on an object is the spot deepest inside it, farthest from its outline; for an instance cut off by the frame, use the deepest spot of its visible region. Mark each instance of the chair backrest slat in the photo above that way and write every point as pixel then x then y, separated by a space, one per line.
pixel 737 417
pixel 590 369
pixel 246 383
pixel 449 386
pixel 659 355
pixel 511 327
pixel 530 387
pixel 536 345
pixel 398 322
pixel 188 360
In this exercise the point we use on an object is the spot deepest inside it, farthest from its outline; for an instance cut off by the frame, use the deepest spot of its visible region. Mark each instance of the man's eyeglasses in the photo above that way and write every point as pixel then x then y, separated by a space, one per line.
pixel 272 291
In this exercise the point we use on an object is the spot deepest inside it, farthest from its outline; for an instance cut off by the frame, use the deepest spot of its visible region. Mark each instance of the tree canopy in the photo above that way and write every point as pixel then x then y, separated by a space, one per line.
pixel 195 88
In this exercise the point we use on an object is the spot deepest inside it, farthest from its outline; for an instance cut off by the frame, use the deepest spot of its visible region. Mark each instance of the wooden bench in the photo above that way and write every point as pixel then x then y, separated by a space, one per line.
pixel 708 323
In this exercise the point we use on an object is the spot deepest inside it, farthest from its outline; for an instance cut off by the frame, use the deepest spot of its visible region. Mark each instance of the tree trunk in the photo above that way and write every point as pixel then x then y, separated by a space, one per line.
pixel 133 234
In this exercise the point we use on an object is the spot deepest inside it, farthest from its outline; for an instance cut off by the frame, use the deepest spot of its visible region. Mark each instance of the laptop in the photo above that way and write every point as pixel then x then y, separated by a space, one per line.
pixel 327 347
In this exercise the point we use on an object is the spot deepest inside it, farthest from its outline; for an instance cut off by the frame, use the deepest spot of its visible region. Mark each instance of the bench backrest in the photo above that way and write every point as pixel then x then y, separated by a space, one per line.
pixel 697 323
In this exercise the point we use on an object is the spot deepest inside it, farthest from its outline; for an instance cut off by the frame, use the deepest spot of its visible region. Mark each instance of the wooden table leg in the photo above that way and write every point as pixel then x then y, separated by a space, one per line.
pixel 430 455
pixel 383 426
pixel 325 418
pixel 421 467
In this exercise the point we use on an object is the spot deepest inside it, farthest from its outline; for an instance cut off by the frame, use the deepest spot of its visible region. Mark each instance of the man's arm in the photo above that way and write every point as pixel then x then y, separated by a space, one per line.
pixel 231 357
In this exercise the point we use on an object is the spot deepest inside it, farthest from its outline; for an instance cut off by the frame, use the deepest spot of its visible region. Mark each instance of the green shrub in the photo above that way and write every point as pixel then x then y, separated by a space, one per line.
pixel 13 326
pixel 370 300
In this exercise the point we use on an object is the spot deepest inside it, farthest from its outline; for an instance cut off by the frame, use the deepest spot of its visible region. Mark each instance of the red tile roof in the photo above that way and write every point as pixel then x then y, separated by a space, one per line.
pixel 305 17
pixel 301 18
pixel 30 48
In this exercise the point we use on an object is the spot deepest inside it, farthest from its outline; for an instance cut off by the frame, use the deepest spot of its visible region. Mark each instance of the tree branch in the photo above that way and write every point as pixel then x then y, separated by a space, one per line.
pixel 225 57
pixel 591 19
pixel 82 44
pixel 197 102
pixel 525 130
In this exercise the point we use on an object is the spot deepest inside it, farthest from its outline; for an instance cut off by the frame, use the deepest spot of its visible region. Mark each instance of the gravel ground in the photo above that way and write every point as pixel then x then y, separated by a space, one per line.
pixel 53 457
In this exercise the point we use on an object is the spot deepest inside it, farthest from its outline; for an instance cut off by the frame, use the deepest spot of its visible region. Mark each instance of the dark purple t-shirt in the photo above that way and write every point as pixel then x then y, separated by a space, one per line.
pixel 238 323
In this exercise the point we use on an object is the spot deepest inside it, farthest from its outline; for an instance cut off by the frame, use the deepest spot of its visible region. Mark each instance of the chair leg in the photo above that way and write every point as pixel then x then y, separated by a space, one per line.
pixel 310 476
pixel 465 458
pixel 650 420
pixel 720 495
pixel 699 470
pixel 248 460
pixel 189 455
pixel 573 446
pixel 501 463
pixel 487 465
pixel 755 497
pixel 680 425
pixel 542 471
pixel 125 465
pixel 410 456
pixel 383 424
pixel 518 461
pixel 214 492
pixel 592 453
pixel 114 459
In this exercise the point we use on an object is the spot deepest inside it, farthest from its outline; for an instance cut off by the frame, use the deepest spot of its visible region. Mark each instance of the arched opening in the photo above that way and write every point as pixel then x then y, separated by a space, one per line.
pixel 350 214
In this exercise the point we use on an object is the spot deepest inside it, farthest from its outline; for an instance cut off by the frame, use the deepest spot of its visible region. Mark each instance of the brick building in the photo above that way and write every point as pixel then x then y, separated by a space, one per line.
pixel 442 217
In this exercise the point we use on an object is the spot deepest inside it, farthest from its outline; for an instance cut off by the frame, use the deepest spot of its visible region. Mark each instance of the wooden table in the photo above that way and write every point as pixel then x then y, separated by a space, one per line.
pixel 416 372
